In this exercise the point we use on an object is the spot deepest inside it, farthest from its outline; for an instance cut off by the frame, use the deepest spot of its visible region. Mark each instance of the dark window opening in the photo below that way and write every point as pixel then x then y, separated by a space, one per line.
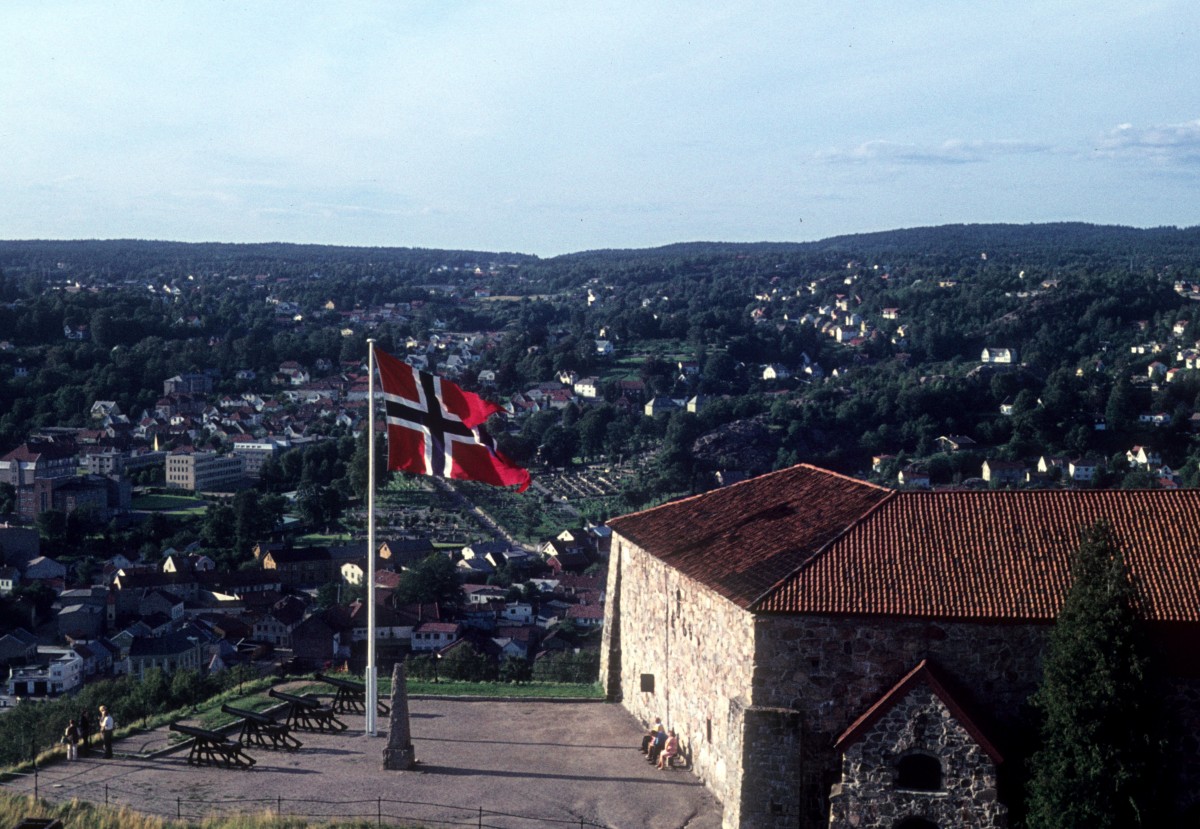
pixel 648 683
pixel 708 729
pixel 915 823
pixel 919 771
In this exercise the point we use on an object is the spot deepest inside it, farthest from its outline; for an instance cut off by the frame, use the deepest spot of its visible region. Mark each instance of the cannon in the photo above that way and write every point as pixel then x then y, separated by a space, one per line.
pixel 351 697
pixel 307 713
pixel 262 730
pixel 210 748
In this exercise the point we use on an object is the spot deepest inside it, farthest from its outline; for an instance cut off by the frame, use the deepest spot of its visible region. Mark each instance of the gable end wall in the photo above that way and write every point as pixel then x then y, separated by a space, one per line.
pixel 699 648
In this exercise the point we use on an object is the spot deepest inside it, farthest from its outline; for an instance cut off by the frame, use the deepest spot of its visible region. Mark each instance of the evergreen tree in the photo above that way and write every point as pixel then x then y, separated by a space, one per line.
pixel 1099 755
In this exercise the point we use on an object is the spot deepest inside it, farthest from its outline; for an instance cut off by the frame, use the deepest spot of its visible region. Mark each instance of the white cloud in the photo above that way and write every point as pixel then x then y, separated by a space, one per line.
pixel 952 151
pixel 1164 144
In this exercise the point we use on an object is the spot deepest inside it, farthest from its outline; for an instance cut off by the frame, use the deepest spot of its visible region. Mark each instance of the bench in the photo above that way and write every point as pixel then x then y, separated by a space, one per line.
pixel 262 730
pixel 676 761
pixel 209 748
pixel 307 713
pixel 351 697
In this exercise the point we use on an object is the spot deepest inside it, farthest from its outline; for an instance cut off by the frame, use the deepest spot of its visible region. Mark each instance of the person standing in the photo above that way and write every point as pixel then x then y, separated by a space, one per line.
pixel 106 731
pixel 85 731
pixel 71 739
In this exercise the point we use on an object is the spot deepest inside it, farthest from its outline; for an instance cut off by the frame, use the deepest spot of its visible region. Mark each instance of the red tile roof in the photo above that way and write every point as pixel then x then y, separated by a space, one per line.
pixel 805 540
pixel 741 540
pixel 988 555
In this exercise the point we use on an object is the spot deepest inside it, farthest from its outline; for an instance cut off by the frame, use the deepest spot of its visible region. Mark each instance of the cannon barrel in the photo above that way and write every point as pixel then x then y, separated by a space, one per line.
pixel 337 682
pixel 303 702
pixel 261 719
pixel 202 733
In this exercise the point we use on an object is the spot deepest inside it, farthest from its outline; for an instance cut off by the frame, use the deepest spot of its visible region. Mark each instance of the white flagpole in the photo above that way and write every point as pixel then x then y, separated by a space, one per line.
pixel 372 686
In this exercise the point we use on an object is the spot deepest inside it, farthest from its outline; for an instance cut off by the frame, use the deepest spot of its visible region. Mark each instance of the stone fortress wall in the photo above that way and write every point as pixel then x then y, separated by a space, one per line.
pixel 758 701
pixel 832 669
pixel 950 779
pixel 697 650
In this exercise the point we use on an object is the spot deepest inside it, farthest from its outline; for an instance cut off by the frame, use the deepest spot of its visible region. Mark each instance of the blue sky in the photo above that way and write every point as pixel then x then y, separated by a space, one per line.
pixel 550 127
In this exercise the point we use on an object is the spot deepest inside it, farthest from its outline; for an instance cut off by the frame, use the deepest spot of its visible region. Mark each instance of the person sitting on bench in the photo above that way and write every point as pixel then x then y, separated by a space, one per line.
pixel 656 747
pixel 650 734
pixel 670 750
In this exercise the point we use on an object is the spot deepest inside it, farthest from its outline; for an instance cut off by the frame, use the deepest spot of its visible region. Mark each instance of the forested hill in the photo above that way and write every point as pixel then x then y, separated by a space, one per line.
pixel 132 257
pixel 833 352
pixel 1038 244
pixel 1049 243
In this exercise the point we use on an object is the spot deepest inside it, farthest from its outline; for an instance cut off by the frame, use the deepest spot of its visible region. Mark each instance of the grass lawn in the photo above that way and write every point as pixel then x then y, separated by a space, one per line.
pixel 169 503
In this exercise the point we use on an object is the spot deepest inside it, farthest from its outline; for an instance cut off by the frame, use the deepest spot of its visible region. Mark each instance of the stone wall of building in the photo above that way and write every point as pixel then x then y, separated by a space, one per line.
pixel 1181 710
pixel 770 782
pixel 872 793
pixel 695 649
pixel 832 669
pixel 759 701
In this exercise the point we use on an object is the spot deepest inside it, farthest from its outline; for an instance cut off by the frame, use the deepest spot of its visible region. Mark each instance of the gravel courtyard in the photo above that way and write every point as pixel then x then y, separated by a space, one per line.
pixel 527 764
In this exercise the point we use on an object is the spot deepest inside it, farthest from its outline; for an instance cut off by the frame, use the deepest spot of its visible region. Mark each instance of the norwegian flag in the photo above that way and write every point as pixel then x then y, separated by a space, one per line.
pixel 436 428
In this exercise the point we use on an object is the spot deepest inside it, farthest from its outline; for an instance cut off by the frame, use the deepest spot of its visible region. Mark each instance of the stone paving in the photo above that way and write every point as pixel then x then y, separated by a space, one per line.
pixel 527 764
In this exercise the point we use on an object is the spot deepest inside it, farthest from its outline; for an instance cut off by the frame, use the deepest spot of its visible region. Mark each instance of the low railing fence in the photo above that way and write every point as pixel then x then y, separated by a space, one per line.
pixel 383 811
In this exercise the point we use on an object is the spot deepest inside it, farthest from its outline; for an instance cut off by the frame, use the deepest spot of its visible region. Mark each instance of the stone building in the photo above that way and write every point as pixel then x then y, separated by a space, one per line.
pixel 916 755
pixel 764 620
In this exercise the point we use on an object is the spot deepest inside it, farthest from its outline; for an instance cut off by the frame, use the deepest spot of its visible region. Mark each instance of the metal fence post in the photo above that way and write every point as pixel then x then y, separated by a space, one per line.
pixel 480 817
pixel 379 811
pixel 105 794
pixel 179 808
pixel 278 804
pixel 35 782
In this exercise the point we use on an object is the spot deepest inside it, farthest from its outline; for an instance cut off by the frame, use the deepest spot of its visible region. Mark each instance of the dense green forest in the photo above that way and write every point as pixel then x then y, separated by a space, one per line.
pixel 1088 309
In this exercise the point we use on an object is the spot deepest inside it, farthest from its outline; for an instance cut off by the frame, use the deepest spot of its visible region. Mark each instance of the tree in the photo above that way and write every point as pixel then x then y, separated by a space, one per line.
pixel 357 469
pixel 327 595
pixel 1122 409
pixel 187 687
pixel 559 445
pixel 515 669
pixel 310 505
pixel 8 498
pixel 218 531
pixel 1099 756
pixel 52 528
pixel 465 663
pixel 433 579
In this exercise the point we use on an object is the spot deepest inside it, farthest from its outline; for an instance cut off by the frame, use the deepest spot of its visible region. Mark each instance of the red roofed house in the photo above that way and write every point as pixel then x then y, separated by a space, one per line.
pixel 764 620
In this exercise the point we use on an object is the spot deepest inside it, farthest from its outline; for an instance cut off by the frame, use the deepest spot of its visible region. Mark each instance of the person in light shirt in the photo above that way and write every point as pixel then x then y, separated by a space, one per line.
pixel 106 731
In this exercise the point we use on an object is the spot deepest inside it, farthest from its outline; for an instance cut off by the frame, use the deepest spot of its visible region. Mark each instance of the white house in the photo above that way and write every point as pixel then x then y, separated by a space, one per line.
pixel 61 673
pixel 913 477
pixel 10 577
pixel 999 356
pixel 519 612
pixel 1083 470
pixel 1143 456
pixel 588 387
pixel 433 636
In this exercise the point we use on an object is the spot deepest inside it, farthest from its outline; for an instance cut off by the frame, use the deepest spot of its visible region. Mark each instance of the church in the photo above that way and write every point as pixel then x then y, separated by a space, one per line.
pixel 834 653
